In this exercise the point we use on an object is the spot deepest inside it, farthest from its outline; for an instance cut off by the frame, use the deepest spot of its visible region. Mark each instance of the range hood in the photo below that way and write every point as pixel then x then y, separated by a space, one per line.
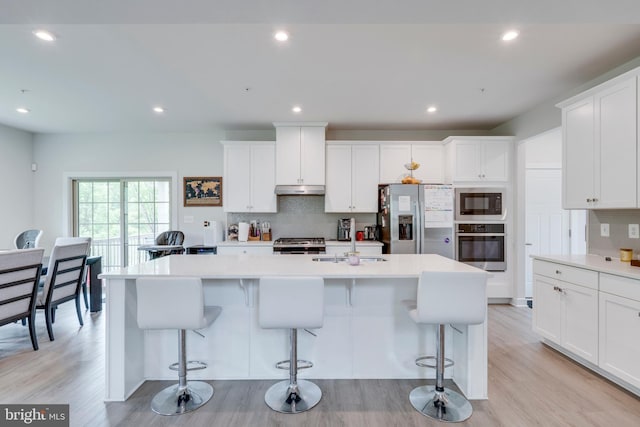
pixel 299 190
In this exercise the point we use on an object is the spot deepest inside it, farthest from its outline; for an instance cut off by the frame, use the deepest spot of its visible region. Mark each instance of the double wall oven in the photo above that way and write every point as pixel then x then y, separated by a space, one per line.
pixel 480 227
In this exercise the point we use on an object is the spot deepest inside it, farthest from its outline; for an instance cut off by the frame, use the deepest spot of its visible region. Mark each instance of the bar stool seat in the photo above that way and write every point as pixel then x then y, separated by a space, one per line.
pixel 287 302
pixel 183 298
pixel 446 298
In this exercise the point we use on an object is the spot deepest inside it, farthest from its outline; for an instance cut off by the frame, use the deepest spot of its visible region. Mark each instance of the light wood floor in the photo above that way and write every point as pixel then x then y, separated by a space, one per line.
pixel 529 385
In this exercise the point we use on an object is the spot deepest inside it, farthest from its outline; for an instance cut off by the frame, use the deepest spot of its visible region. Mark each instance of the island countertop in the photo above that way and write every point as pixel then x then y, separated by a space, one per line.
pixel 255 266
pixel 367 332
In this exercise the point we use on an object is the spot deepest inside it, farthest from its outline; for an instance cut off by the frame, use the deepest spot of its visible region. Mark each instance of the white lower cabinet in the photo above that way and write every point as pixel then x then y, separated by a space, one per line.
pixel 565 311
pixel 620 328
pixel 248 249
pixel 340 249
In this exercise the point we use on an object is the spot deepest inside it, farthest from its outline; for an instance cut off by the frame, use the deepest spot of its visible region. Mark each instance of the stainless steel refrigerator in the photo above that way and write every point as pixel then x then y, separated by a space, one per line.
pixel 416 219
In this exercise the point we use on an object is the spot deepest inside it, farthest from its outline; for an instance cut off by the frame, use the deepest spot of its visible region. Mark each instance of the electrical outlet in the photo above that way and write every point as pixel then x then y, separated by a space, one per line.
pixel 634 231
pixel 604 230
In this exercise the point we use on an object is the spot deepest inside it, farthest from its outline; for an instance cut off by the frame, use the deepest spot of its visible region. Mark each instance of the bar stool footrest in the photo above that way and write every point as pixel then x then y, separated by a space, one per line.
pixel 192 365
pixel 302 364
pixel 420 362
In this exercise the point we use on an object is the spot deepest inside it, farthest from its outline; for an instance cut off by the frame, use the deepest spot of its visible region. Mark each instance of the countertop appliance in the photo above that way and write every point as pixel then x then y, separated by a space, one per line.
pixel 482 245
pixel 481 204
pixel 344 229
pixel 300 245
pixel 416 219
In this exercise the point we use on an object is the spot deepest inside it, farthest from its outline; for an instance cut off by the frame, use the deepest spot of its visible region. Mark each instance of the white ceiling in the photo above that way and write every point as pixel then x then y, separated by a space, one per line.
pixel 356 64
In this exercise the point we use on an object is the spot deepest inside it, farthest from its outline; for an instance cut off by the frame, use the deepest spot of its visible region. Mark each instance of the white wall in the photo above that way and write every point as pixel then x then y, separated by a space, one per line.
pixel 16 213
pixel 184 154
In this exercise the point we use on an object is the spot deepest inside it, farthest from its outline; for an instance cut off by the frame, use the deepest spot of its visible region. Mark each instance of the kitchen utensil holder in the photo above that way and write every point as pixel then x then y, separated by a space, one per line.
pixel 253 238
pixel 266 237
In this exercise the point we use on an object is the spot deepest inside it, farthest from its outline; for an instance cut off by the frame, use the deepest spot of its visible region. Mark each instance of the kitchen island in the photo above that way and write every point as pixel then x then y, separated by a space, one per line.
pixel 366 334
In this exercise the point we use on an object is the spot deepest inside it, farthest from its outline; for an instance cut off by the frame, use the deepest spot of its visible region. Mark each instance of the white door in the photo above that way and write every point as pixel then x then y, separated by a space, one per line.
pixel 364 178
pixel 287 155
pixel 237 180
pixel 338 190
pixel 392 160
pixel 547 224
pixel 263 177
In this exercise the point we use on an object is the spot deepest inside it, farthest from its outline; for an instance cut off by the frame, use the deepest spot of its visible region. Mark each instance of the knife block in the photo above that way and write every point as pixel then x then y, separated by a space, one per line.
pixel 266 237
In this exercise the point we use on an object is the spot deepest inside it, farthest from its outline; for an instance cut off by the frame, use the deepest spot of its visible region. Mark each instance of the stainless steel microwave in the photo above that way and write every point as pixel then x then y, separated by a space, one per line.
pixel 481 204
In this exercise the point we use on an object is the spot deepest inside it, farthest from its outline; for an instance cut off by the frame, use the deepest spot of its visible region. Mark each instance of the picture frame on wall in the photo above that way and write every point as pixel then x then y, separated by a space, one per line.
pixel 202 191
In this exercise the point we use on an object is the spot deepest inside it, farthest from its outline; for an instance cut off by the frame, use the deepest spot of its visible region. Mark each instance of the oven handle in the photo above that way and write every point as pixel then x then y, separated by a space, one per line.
pixel 481 234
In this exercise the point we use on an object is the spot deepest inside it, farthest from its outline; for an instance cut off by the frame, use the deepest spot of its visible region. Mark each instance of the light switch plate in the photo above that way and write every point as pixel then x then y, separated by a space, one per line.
pixel 634 231
pixel 604 230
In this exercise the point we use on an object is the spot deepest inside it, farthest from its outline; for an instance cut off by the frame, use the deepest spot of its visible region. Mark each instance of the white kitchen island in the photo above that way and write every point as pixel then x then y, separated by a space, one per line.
pixel 367 332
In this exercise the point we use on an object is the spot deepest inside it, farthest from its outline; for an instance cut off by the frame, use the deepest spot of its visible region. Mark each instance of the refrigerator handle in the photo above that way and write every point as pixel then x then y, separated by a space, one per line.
pixel 418 227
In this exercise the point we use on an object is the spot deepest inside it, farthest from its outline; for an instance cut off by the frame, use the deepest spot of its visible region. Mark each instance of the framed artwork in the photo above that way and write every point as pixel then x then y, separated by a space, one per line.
pixel 202 191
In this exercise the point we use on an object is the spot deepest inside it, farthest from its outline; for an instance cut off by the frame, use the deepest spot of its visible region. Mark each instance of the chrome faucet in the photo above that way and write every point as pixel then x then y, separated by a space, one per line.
pixel 352 230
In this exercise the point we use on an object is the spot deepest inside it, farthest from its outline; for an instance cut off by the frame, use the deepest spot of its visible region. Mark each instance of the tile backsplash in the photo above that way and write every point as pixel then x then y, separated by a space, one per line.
pixel 618 221
pixel 303 216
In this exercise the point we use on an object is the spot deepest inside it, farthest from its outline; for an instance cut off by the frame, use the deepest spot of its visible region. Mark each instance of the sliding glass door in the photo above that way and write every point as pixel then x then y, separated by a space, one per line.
pixel 120 215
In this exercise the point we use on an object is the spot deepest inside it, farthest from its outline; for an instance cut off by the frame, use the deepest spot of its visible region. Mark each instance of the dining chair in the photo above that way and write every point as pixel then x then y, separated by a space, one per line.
pixel 171 237
pixel 19 277
pixel 74 240
pixel 28 239
pixel 63 281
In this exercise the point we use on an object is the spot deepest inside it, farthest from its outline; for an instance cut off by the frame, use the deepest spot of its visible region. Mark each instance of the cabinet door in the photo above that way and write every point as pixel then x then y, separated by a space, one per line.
pixel 495 161
pixel 312 149
pixel 615 111
pixel 263 177
pixel 365 164
pixel 546 308
pixel 578 155
pixel 467 161
pixel 392 160
pixel 337 196
pixel 619 342
pixel 237 181
pixel 431 159
pixel 288 155
pixel 580 320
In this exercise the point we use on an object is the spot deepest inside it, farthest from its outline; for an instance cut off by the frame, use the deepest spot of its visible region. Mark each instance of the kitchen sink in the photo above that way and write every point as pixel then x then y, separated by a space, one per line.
pixel 337 259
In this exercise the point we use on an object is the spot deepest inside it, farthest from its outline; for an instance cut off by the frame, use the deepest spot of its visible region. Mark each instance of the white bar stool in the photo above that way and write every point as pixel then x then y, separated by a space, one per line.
pixel 292 303
pixel 446 298
pixel 176 303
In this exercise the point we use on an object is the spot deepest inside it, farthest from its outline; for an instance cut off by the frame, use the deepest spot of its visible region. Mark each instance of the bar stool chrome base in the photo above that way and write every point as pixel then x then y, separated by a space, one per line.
pixel 290 398
pixel 170 402
pixel 448 405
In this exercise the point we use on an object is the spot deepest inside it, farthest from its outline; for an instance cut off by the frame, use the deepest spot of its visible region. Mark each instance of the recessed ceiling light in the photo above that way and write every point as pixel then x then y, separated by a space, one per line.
pixel 281 36
pixel 22 110
pixel 44 35
pixel 432 110
pixel 296 109
pixel 158 110
pixel 510 35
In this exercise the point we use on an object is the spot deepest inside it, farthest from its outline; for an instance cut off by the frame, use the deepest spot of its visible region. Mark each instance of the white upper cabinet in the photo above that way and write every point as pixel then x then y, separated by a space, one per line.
pixel 249 177
pixel 478 159
pixel 300 154
pixel 599 147
pixel 352 178
pixel 393 157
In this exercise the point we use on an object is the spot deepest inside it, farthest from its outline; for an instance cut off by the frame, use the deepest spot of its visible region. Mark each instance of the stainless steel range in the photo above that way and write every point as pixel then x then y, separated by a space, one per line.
pixel 299 245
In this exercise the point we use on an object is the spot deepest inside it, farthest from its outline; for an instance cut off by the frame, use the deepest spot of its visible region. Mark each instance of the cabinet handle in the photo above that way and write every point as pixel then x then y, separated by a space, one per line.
pixel 558 272
pixel 595 200
pixel 588 200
